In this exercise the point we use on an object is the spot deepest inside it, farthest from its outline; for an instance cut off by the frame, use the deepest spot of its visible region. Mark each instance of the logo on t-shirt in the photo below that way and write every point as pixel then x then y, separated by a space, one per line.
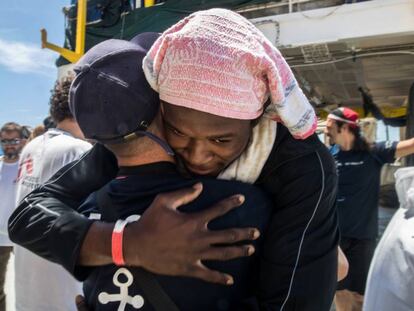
pixel 26 165
pixel 24 174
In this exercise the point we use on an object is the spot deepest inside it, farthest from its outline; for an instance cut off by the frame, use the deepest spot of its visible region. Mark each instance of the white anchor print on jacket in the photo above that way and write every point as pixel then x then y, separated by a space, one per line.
pixel 123 297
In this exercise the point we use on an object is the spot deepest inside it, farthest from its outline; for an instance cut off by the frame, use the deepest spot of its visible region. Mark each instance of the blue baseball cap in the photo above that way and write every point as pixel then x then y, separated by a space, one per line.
pixel 110 97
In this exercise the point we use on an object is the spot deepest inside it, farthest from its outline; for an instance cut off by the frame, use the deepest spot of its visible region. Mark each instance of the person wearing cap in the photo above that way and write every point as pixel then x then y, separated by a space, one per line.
pixel 109 74
pixel 359 165
pixel 40 159
pixel 284 157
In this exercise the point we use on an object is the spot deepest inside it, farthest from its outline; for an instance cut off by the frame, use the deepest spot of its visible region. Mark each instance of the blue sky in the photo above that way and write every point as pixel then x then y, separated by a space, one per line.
pixel 27 73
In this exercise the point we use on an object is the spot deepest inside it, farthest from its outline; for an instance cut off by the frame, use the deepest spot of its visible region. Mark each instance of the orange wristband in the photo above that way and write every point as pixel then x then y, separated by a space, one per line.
pixel 118 238
pixel 117 242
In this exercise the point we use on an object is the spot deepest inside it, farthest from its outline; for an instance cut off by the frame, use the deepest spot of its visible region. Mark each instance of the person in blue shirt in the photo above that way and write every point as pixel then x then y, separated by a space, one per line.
pixel 359 166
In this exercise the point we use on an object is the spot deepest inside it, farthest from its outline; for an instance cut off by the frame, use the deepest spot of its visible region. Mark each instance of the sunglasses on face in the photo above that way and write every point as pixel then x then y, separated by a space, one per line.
pixel 14 141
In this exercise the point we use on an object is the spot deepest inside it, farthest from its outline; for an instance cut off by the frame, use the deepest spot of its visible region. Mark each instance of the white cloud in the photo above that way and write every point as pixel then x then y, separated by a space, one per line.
pixel 21 57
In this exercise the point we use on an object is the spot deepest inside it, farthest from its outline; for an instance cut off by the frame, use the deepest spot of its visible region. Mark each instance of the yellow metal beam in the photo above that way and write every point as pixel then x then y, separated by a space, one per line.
pixel 68 54
pixel 393 112
pixel 72 56
pixel 148 3
pixel 81 27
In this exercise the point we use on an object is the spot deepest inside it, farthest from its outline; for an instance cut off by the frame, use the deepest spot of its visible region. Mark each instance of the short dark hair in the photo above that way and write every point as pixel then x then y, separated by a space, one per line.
pixel 48 123
pixel 12 127
pixel 59 101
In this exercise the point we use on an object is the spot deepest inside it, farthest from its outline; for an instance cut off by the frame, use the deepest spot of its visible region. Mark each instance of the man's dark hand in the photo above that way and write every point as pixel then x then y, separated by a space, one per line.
pixel 80 303
pixel 167 241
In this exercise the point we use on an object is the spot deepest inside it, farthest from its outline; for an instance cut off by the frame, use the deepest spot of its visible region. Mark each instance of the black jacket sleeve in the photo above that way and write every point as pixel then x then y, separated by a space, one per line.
pixel 299 263
pixel 47 222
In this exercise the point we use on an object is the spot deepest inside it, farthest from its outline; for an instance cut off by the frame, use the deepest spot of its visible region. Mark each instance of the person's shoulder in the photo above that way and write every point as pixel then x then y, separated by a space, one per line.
pixel 286 148
pixel 257 203
pixel 225 188
pixel 285 140
pixel 33 144
pixel 82 144
pixel 63 148
pixel 66 143
pixel 227 184
pixel 383 145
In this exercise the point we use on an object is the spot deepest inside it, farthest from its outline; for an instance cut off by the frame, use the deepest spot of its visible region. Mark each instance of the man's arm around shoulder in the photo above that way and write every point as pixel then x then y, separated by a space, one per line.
pixel 47 223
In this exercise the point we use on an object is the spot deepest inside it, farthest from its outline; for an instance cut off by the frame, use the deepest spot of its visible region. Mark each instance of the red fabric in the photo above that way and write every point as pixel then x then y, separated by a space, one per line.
pixel 117 246
pixel 350 114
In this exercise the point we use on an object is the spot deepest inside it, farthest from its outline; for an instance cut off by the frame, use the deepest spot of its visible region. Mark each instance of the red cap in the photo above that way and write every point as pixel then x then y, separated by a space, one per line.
pixel 346 115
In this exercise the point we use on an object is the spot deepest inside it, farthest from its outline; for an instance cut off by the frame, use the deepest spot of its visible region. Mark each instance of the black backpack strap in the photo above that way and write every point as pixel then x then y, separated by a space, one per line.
pixel 156 295
pixel 153 291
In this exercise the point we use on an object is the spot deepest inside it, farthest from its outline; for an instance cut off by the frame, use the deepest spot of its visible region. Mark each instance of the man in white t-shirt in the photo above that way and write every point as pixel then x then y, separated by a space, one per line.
pixel 11 136
pixel 42 285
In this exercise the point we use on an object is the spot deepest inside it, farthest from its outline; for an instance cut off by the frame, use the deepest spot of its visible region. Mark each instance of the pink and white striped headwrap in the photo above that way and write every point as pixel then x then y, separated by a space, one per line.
pixel 216 61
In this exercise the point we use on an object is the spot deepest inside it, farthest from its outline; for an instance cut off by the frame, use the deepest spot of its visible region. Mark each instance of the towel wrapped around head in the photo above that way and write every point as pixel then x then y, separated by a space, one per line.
pixel 216 61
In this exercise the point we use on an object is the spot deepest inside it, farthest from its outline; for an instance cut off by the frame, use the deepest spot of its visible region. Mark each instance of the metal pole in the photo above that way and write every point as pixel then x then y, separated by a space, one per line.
pixel 80 28
pixel 72 56
pixel 148 3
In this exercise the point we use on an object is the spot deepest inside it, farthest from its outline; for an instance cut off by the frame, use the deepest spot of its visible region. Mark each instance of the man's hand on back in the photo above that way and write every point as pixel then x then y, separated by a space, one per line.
pixel 167 241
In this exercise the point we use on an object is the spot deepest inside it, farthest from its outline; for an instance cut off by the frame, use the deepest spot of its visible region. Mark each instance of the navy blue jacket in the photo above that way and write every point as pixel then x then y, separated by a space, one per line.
pixel 133 192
